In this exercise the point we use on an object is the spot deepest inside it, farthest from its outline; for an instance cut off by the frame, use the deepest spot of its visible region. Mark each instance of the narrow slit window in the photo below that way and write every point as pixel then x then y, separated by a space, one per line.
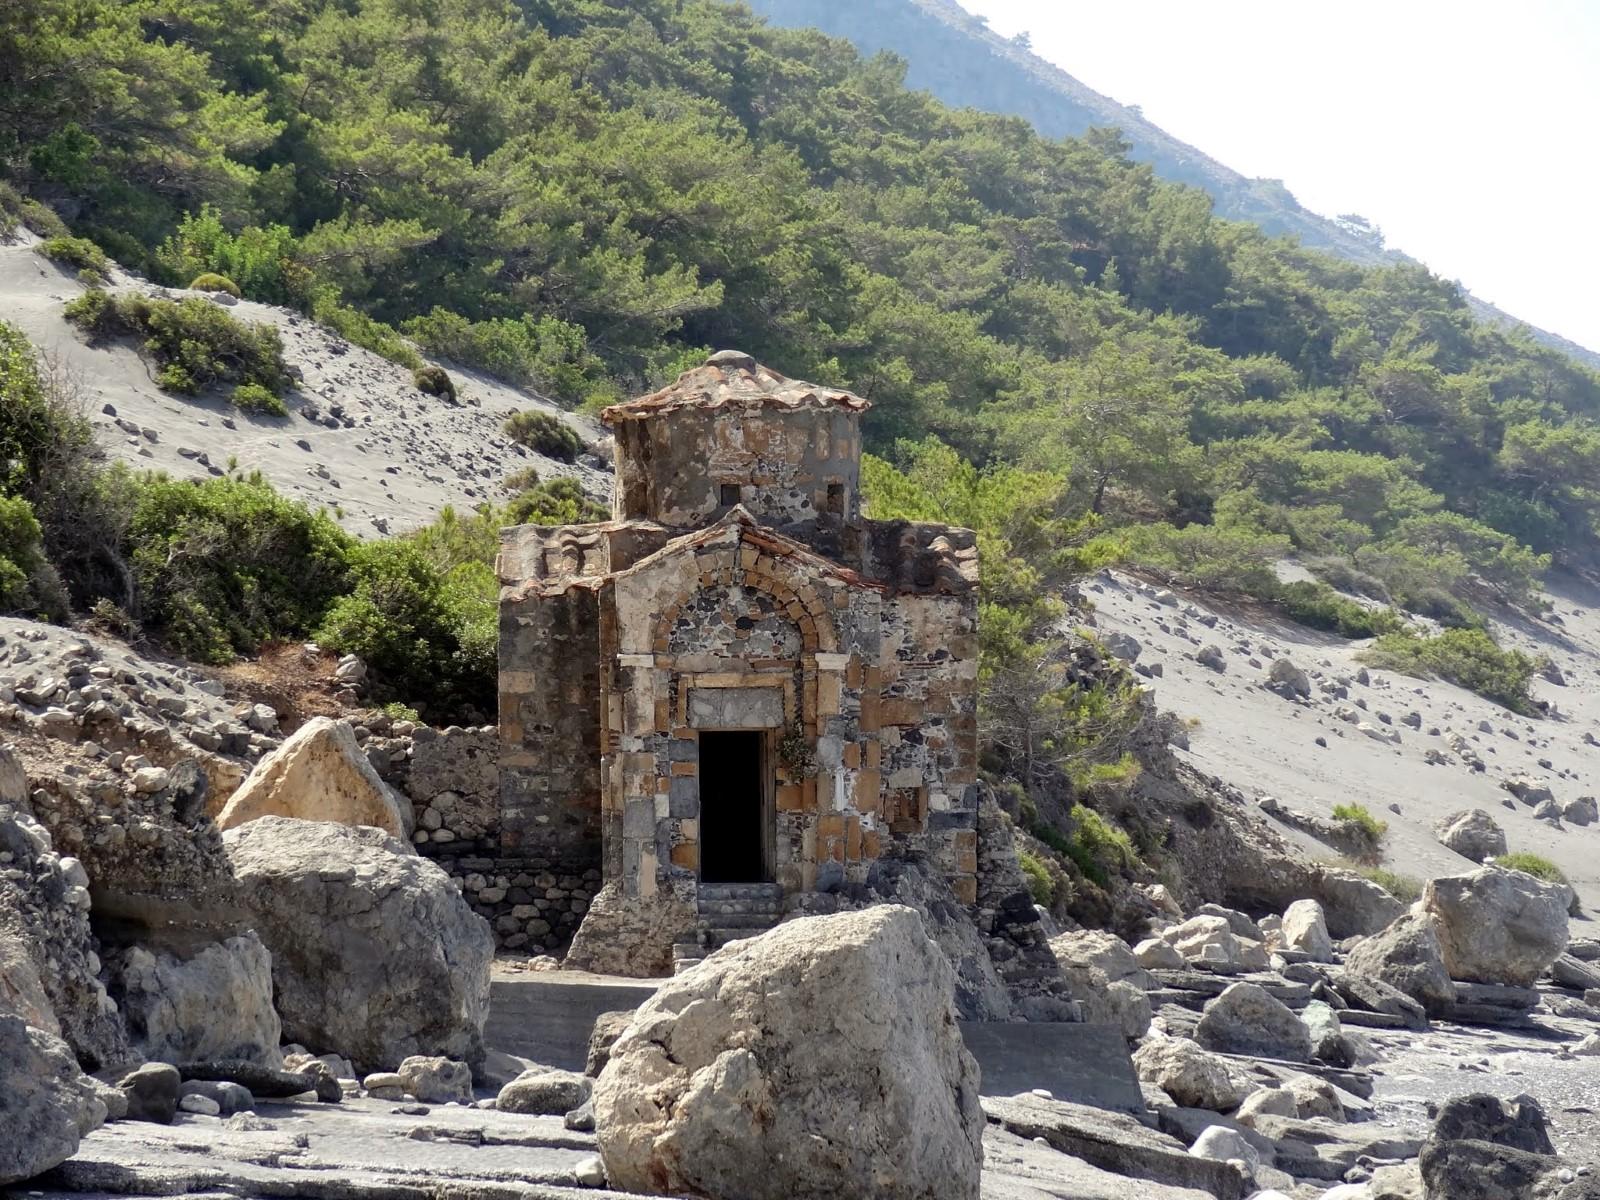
pixel 836 498
pixel 730 495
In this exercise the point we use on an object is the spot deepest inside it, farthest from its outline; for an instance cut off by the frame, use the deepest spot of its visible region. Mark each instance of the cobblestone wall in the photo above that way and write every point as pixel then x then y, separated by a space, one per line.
pixel 532 898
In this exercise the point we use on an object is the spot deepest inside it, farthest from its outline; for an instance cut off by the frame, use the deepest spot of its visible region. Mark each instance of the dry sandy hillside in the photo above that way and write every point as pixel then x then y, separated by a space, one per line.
pixel 1267 745
pixel 360 436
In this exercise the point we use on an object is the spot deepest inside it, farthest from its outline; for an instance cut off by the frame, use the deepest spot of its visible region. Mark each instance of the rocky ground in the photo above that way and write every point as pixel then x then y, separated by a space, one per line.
pixel 360 438
pixel 1407 749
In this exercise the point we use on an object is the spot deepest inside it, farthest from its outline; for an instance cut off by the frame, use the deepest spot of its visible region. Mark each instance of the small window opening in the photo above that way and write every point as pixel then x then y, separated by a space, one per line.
pixel 730 495
pixel 836 498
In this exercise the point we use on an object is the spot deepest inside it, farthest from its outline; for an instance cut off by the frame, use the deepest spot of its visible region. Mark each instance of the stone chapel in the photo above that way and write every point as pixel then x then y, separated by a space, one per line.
pixel 738 690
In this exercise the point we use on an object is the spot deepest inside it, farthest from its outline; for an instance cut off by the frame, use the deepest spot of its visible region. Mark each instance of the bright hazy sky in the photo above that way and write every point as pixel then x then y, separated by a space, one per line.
pixel 1468 130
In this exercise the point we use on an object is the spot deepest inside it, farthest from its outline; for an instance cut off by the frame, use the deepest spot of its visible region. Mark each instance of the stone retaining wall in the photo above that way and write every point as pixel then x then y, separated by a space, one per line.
pixel 533 900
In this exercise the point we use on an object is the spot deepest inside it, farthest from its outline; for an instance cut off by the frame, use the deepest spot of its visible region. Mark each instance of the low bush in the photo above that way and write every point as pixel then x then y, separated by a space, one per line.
pixel 28 584
pixel 262 261
pixel 545 433
pixel 74 251
pixel 1040 886
pixel 1320 607
pixel 521 480
pixel 210 281
pixel 348 323
pixel 428 635
pixel 223 565
pixel 1225 558
pixel 555 502
pixel 1532 864
pixel 1403 888
pixel 543 352
pixel 1468 657
pixel 195 343
pixel 258 401
pixel 1361 817
pixel 435 381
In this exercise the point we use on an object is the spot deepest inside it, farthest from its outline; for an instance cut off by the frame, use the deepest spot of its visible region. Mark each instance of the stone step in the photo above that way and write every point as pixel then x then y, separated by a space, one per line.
pixel 739 891
pixel 720 921
pixel 1371 1020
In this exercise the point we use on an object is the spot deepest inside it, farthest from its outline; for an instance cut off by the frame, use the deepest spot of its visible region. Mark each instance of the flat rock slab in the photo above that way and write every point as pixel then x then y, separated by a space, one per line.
pixel 360 1150
pixel 1114 1142
pixel 1078 1063
pixel 547 1017
pixel 1015 1168
pixel 1295 995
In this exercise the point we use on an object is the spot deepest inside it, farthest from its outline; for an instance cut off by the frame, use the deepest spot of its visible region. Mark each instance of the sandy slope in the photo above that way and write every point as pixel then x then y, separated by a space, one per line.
pixel 1266 745
pixel 392 458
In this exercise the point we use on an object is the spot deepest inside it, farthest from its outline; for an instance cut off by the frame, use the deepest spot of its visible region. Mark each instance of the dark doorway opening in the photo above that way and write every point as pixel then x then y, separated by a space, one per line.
pixel 733 805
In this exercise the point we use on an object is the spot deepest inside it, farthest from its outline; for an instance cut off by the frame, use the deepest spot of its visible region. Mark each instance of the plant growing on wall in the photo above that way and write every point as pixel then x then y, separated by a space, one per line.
pixel 796 753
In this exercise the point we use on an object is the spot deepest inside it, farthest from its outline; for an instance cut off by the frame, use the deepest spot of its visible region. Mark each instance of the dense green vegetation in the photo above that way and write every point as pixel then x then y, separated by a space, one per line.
pixel 1468 657
pixel 1064 352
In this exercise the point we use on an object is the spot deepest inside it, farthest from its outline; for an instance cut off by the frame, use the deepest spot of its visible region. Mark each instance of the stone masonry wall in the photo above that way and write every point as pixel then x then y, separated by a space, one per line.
pixel 534 900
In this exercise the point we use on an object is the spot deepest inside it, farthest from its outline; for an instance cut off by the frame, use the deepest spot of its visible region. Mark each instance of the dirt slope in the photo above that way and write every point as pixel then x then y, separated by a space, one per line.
pixel 359 438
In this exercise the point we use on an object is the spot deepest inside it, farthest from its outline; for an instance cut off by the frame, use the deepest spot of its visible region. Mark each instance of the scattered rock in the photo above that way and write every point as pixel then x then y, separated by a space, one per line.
pixel 1406 956
pixel 152 1092
pixel 545 1092
pixel 434 1079
pixel 1472 834
pixel 1305 928
pixel 216 1003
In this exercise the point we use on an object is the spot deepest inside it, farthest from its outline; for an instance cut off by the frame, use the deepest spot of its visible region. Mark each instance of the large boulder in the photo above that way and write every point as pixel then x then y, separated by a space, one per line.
pixel 1193 1077
pixel 213 1003
pixel 1406 956
pixel 1483 1147
pixel 375 955
pixel 1209 940
pixel 46 1102
pixel 1305 928
pixel 1248 1019
pixel 1472 834
pixel 821 1059
pixel 1104 951
pixel 22 991
pixel 630 935
pixel 1497 926
pixel 319 774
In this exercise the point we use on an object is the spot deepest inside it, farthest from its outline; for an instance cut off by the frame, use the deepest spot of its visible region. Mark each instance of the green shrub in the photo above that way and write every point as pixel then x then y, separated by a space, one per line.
pixel 225 564
pixel 521 480
pixel 74 251
pixel 364 331
pixel 1361 817
pixel 195 343
pixel 556 502
pixel 435 381
pixel 28 584
pixel 1468 657
pixel 427 635
pixel 1040 886
pixel 42 221
pixel 262 261
pixel 1403 888
pixel 1227 558
pixel 210 281
pixel 254 399
pixel 1531 864
pixel 543 352
pixel 546 434
pixel 1317 605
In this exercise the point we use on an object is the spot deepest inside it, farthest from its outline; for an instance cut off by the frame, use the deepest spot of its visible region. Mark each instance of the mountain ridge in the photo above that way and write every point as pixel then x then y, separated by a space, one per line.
pixel 937 39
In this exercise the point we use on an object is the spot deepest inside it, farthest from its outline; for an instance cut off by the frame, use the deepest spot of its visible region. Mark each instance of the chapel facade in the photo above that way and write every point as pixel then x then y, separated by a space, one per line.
pixel 738 680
